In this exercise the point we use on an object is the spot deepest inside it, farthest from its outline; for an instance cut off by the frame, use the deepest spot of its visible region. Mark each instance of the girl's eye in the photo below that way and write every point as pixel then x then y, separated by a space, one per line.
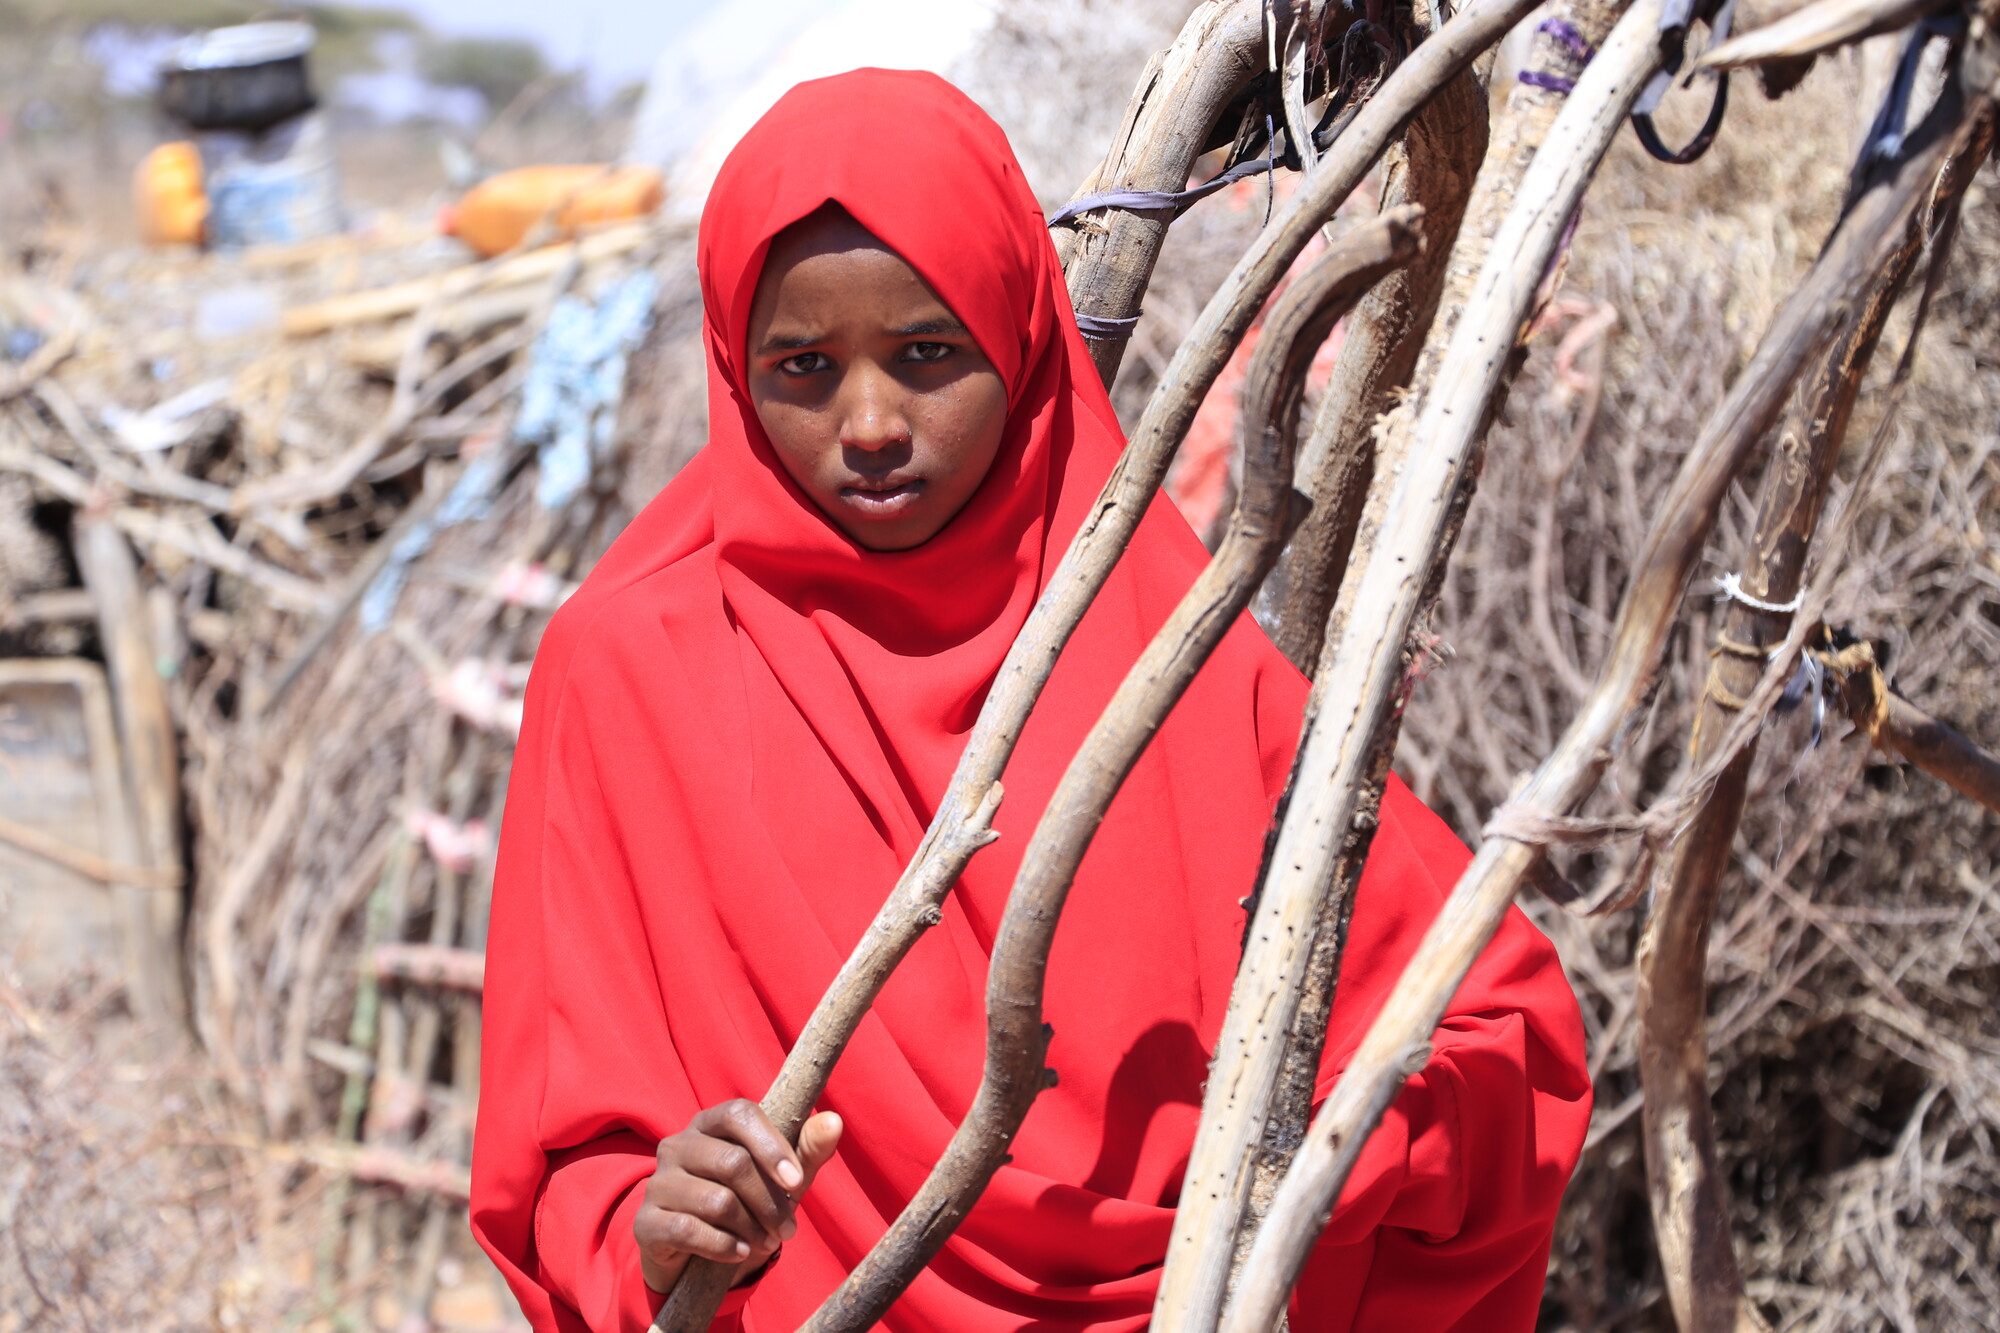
pixel 929 351
pixel 805 363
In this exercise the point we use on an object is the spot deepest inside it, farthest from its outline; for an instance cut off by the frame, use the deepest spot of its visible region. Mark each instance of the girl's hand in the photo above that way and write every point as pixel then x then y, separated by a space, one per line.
pixel 725 1189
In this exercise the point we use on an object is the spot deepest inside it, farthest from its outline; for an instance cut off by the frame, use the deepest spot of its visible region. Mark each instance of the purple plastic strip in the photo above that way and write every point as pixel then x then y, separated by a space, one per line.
pixel 1555 83
pixel 1568 38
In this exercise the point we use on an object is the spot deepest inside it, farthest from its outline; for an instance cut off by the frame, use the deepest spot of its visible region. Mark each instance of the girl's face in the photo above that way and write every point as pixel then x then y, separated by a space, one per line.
pixel 875 397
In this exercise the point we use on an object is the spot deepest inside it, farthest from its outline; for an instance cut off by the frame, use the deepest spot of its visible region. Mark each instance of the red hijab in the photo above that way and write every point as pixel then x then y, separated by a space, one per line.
pixel 736 734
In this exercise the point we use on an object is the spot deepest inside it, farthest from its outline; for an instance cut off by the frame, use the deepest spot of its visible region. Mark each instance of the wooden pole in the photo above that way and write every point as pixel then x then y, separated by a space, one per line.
pixel 1441 165
pixel 1345 755
pixel 150 762
pixel 1689 1196
pixel 1399 1038
pixel 1109 254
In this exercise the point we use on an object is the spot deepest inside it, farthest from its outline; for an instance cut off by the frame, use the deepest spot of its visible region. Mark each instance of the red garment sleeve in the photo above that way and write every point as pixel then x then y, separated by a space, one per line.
pixel 579 1075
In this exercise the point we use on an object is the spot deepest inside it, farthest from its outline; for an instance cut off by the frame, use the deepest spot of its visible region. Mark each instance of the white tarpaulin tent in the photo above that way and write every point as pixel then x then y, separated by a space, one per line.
pixel 710 87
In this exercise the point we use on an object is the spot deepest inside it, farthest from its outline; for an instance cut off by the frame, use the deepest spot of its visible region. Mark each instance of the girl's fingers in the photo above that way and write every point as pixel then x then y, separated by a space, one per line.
pixel 818 1138
pixel 723 1209
pixel 744 1122
pixel 676 1232
pixel 765 1209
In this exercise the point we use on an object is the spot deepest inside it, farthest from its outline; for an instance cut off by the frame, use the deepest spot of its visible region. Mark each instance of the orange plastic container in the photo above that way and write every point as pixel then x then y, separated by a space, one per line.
pixel 497 213
pixel 168 193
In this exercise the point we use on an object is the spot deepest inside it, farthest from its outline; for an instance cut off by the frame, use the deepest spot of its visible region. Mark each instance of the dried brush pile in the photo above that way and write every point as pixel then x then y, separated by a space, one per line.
pixel 1856 1051
pixel 350 542
pixel 1855 1045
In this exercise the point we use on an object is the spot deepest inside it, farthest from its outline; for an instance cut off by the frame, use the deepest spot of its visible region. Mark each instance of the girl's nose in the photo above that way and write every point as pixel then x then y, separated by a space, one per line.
pixel 872 416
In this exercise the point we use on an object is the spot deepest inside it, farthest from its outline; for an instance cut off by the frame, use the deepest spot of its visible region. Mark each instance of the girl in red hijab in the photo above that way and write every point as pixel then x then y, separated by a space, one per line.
pixel 738 730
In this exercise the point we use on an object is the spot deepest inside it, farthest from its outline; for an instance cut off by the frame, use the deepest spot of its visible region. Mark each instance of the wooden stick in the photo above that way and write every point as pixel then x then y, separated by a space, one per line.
pixel 55 851
pixel 1344 758
pixel 1017 1039
pixel 1432 165
pixel 961 825
pixel 1892 723
pixel 1690 1199
pixel 1274 385
pixel 431 965
pixel 1815 29
pixel 150 757
pixel 55 607
pixel 379 1166
pixel 326 480
pixel 407 298
pixel 1689 1195
pixel 1398 1041
pixel 197 540
pixel 1444 149
pixel 1274 388
pixel 1109 255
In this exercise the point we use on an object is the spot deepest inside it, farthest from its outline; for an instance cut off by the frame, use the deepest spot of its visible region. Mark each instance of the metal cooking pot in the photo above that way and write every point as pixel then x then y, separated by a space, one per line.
pixel 248 77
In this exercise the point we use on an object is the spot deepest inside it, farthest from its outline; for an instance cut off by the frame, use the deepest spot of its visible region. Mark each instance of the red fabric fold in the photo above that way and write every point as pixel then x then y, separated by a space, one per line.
pixel 735 734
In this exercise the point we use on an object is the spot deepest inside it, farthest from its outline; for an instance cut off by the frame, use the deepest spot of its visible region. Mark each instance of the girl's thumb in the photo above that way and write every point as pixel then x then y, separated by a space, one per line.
pixel 818 1137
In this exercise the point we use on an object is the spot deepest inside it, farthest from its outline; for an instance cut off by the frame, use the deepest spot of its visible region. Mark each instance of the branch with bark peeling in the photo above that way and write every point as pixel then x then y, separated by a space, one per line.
pixel 1432 165
pixel 1182 94
pixel 1895 725
pixel 1689 1196
pixel 1824 305
pixel 1443 151
pixel 1345 755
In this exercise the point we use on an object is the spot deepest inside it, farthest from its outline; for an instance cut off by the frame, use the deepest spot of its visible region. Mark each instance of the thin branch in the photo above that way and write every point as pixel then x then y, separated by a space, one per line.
pixel 1814 29
pixel 1892 723
pixel 1690 1198
pixel 1824 304
pixel 47 847
pixel 1344 758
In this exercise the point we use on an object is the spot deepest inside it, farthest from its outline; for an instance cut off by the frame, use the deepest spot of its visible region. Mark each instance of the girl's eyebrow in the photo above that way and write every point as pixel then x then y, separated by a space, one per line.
pixel 789 342
pixel 923 327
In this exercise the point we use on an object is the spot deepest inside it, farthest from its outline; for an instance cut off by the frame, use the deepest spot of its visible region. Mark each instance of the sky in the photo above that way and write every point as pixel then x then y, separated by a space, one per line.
pixel 617 40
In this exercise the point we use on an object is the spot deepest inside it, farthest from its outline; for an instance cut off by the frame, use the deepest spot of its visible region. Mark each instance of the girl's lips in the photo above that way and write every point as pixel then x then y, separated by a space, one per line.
pixel 883 503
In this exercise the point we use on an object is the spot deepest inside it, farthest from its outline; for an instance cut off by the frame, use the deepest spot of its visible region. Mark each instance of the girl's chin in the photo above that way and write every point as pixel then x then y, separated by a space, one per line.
pixel 884 536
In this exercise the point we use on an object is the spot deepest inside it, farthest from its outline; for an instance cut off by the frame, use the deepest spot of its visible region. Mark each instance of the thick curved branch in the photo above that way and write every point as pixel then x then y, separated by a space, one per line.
pixel 1274 385
pixel 1824 305
pixel 1432 166
pixel 1017 1039
pixel 1109 254
pixel 1297 919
